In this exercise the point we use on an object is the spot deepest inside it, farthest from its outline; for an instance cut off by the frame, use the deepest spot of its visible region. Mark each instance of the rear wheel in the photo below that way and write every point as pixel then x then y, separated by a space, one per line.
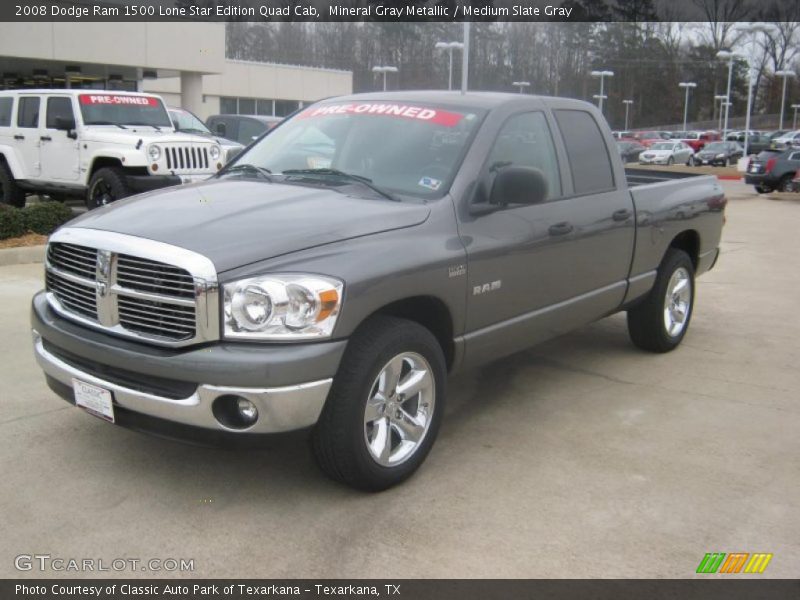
pixel 785 184
pixel 106 186
pixel 10 193
pixel 385 406
pixel 660 321
pixel 763 189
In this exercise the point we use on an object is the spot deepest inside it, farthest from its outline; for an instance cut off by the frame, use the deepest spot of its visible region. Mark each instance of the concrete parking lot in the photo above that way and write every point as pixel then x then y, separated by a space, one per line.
pixel 582 457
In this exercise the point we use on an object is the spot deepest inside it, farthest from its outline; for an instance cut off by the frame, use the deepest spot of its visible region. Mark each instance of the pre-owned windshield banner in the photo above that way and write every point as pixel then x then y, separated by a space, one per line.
pixel 394 10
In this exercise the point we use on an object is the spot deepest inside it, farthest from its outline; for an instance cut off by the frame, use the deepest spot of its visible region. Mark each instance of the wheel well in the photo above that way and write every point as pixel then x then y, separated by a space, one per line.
pixel 689 242
pixel 103 162
pixel 431 313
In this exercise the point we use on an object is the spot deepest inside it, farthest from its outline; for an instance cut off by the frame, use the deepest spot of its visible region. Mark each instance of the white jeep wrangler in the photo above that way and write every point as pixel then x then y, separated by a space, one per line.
pixel 100 145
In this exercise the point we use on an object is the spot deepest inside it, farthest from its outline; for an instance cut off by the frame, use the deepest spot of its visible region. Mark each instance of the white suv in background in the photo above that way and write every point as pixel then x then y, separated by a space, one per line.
pixel 100 145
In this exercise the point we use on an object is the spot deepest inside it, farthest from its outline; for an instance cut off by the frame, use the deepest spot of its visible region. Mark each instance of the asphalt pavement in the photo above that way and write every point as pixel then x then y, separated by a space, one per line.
pixel 582 457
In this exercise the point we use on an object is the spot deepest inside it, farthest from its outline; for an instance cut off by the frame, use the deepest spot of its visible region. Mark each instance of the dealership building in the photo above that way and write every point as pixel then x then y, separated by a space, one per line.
pixel 184 62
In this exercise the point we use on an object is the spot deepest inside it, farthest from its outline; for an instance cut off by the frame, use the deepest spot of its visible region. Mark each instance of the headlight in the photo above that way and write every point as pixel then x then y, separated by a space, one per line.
pixel 154 152
pixel 214 152
pixel 720 155
pixel 282 307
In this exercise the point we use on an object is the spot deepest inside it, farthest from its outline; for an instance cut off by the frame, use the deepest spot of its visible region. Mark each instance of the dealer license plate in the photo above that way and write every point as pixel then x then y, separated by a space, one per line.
pixel 94 400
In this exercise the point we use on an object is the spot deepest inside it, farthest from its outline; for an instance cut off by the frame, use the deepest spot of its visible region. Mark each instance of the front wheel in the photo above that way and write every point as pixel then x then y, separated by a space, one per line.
pixel 660 321
pixel 670 161
pixel 385 406
pixel 106 185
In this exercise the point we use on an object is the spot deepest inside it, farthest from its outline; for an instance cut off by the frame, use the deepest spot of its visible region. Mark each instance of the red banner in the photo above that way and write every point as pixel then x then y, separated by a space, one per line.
pixel 118 100
pixel 400 111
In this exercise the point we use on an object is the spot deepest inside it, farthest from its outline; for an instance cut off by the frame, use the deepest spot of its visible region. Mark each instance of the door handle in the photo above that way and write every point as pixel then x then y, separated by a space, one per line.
pixel 621 214
pixel 561 228
pixel 19 137
pixel 45 138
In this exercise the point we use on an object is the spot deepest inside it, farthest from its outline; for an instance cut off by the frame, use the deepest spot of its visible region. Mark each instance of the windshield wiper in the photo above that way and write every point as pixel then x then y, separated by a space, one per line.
pixel 262 172
pixel 105 123
pixel 342 175
pixel 156 127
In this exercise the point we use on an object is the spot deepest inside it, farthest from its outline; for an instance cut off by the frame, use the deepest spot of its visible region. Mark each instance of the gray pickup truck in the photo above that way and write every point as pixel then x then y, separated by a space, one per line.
pixel 336 272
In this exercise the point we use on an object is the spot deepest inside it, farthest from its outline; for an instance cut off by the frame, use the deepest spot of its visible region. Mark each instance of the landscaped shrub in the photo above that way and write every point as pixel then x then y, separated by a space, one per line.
pixel 44 218
pixel 41 218
pixel 12 223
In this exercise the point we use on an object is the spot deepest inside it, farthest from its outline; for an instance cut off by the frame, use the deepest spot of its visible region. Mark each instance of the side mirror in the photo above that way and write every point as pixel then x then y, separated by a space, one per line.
pixel 65 123
pixel 518 185
pixel 221 129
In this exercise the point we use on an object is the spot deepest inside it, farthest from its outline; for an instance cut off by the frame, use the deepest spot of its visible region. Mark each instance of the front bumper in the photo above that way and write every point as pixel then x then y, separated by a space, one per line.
pixel 180 387
pixel 148 183
pixel 653 161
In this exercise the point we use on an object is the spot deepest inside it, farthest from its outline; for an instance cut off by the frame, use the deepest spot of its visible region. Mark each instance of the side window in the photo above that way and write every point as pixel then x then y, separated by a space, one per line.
pixel 525 140
pixel 28 112
pixel 248 129
pixel 794 156
pixel 586 148
pixel 5 111
pixel 58 107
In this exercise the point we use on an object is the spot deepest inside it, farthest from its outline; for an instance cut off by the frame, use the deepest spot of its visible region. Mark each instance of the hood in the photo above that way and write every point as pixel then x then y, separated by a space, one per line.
pixel 132 135
pixel 238 222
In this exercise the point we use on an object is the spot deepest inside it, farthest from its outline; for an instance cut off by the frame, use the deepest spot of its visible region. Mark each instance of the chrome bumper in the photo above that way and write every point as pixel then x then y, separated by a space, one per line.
pixel 280 409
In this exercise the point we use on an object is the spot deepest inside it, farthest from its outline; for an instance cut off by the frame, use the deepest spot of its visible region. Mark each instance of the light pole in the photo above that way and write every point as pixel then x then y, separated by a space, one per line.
pixel 627 104
pixel 687 85
pixel 602 75
pixel 729 56
pixel 521 85
pixel 722 99
pixel 449 46
pixel 752 29
pixel 384 70
pixel 465 60
pixel 794 121
pixel 785 74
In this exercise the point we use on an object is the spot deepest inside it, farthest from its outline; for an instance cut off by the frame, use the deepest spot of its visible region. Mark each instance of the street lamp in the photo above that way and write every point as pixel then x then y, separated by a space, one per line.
pixel 384 70
pixel 687 85
pixel 722 100
pixel 785 74
pixel 602 75
pixel 752 29
pixel 794 121
pixel 627 104
pixel 729 56
pixel 449 46
pixel 521 85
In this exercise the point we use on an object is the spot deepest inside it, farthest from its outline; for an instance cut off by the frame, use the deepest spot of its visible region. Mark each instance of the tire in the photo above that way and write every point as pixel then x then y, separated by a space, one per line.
pixel 727 162
pixel 647 321
pixel 345 443
pixel 10 193
pixel 785 183
pixel 763 189
pixel 670 161
pixel 106 186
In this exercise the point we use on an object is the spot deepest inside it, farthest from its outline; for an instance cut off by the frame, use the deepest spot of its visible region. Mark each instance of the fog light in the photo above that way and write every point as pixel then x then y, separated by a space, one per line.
pixel 234 412
pixel 247 410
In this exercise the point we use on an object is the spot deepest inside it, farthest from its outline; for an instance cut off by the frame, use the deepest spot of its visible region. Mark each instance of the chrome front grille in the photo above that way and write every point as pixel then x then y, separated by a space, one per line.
pixel 115 282
pixel 187 158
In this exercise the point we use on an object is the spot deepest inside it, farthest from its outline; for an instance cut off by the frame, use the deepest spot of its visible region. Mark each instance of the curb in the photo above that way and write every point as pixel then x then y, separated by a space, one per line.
pixel 21 256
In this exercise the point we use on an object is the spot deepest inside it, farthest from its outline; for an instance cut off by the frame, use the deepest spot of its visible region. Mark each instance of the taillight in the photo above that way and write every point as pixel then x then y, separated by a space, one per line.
pixel 770 165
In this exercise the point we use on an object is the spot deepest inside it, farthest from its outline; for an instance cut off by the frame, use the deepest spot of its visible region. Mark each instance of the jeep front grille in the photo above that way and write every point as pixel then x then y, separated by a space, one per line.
pixel 187 158
pixel 105 284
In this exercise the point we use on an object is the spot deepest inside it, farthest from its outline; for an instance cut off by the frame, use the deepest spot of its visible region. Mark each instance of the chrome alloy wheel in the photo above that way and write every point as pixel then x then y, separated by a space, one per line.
pixel 677 302
pixel 399 409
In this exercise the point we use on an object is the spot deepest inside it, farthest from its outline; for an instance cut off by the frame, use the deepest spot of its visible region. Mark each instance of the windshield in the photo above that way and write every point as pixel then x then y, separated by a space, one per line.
pixel 118 109
pixel 185 121
pixel 404 148
pixel 662 147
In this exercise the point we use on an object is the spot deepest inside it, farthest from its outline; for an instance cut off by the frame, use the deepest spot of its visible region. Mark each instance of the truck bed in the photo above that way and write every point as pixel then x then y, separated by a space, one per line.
pixel 637 177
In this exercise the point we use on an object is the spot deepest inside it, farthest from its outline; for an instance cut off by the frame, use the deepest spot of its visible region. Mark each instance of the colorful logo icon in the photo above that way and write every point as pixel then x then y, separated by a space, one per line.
pixel 736 562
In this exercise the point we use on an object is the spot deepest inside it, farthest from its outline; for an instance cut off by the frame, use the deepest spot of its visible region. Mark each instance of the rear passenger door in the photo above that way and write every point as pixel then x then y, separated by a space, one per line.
pixel 59 153
pixel 26 135
pixel 536 271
